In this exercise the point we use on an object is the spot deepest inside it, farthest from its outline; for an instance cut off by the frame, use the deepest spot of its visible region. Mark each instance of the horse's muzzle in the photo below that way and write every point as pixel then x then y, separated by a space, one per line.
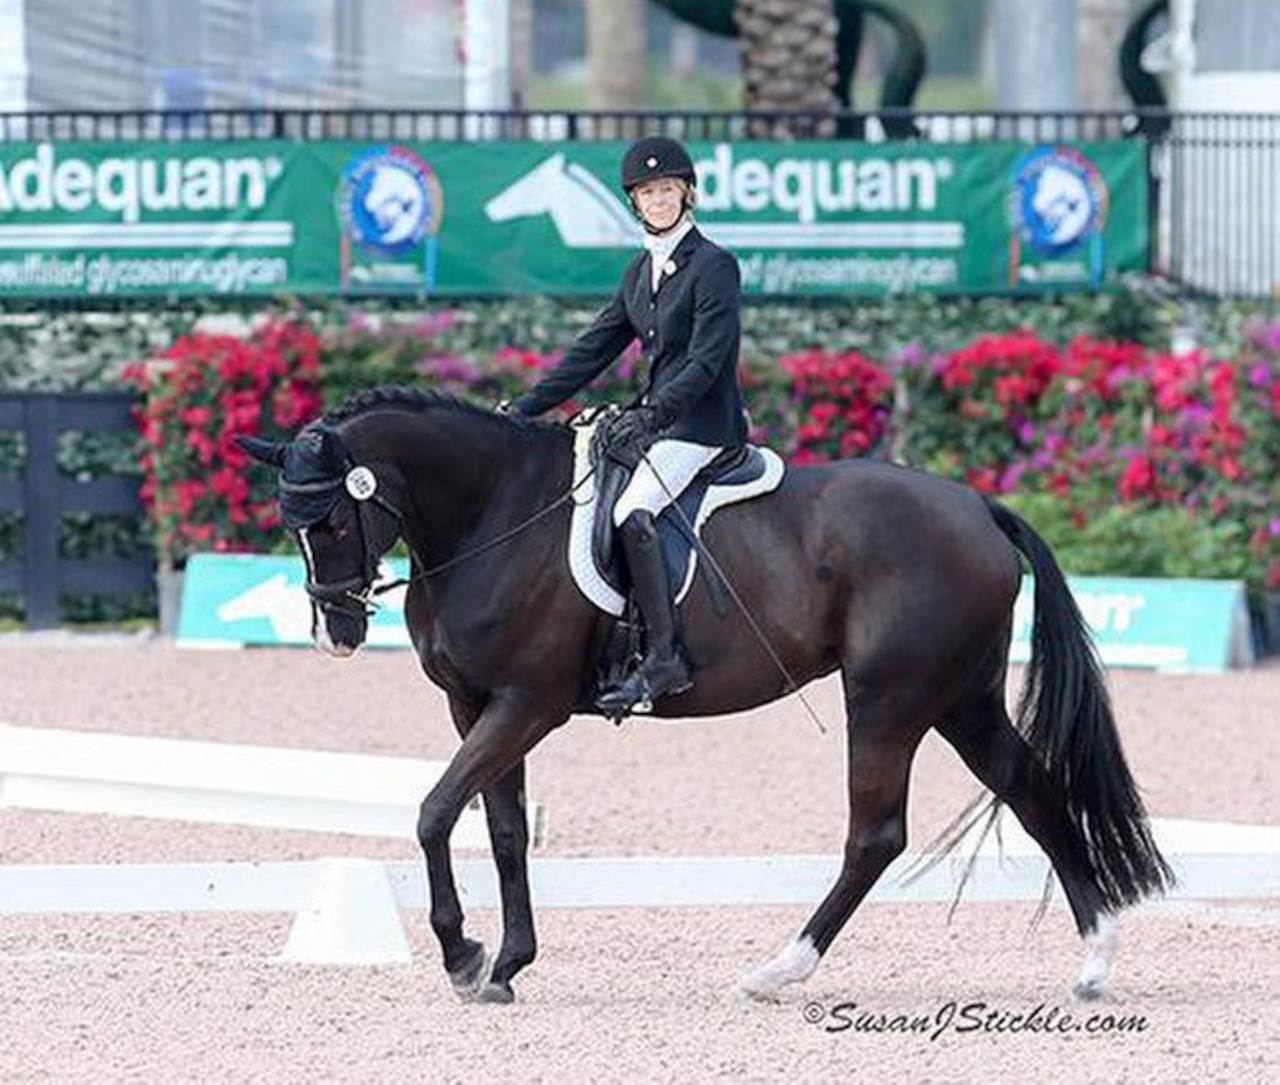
pixel 339 627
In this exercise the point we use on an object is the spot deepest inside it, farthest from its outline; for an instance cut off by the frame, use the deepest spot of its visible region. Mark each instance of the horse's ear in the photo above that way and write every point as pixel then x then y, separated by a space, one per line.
pixel 271 452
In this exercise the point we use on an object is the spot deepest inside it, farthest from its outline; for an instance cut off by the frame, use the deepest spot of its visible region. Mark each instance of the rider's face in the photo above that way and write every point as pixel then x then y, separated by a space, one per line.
pixel 660 202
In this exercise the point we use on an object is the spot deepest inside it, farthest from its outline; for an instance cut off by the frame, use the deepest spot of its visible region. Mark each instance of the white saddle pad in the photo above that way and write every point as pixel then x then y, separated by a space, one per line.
pixel 590 580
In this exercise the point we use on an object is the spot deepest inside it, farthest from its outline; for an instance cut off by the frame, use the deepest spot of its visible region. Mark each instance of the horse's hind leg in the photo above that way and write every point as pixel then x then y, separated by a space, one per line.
pixel 881 748
pixel 991 747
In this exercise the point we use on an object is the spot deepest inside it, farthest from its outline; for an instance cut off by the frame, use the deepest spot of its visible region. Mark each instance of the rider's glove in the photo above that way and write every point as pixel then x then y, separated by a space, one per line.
pixel 634 427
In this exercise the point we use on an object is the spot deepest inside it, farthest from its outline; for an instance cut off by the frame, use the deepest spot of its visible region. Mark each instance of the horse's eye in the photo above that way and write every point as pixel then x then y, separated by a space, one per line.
pixel 335 532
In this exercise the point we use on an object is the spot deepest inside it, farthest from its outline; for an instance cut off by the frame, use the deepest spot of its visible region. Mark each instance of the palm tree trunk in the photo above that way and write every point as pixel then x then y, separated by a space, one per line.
pixel 788 56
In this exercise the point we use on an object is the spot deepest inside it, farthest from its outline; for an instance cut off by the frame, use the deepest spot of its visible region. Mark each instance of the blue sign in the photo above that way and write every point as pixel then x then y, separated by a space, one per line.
pixel 243 599
pixel 252 599
pixel 1176 625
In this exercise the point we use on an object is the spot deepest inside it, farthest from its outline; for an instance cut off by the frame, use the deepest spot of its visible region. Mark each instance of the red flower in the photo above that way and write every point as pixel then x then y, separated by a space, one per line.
pixel 843 401
pixel 1138 478
pixel 203 392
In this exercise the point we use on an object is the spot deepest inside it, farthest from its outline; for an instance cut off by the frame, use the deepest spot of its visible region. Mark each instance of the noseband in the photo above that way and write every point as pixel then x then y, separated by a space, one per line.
pixel 353 595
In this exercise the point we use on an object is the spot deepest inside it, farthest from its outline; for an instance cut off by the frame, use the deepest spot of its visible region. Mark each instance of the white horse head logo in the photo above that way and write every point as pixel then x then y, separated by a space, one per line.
pixel 1062 202
pixel 396 202
pixel 585 213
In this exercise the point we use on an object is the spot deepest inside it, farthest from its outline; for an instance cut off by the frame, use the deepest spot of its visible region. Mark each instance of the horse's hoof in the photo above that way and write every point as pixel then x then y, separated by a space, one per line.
pixel 496 994
pixel 745 993
pixel 1089 990
pixel 468 979
pixel 757 985
pixel 795 963
pixel 1101 942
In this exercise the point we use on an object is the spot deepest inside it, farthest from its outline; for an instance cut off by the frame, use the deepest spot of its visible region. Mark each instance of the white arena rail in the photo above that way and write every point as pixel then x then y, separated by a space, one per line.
pixel 348 911
pixel 45 768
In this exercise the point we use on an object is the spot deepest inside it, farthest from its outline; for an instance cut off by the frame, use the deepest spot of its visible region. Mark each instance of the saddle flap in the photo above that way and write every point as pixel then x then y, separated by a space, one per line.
pixel 612 477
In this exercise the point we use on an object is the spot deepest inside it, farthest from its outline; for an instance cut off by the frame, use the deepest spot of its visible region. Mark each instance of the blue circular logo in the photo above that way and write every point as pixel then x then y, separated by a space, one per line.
pixel 390 199
pixel 1059 199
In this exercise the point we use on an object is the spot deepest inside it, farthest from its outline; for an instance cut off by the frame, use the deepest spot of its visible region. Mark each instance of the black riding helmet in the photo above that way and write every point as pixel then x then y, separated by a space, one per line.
pixel 653 157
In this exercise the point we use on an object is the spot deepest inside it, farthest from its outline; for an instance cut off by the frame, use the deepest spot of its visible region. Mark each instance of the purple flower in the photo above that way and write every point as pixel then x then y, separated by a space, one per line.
pixel 912 356
pixel 631 358
pixel 448 367
pixel 434 323
pixel 1196 413
pixel 1008 481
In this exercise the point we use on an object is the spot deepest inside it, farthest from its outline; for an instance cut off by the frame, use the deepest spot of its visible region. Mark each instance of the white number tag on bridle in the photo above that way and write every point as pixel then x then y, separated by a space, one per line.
pixel 361 483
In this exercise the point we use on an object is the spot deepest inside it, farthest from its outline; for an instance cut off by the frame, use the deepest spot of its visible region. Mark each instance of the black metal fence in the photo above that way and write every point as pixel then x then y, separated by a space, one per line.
pixel 435 124
pixel 42 494
pixel 1215 223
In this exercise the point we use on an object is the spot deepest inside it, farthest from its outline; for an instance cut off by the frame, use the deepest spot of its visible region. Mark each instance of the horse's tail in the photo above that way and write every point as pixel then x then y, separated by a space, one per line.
pixel 1065 715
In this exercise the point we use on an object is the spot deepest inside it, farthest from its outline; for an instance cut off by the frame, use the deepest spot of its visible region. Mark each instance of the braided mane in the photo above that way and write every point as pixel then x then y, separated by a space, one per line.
pixel 411 397
pixel 401 395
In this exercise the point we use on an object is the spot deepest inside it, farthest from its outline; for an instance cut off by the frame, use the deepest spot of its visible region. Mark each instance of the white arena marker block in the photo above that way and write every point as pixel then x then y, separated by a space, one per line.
pixel 357 921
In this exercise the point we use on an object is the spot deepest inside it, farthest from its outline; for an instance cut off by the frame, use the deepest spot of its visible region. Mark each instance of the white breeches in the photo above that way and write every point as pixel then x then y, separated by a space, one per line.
pixel 667 468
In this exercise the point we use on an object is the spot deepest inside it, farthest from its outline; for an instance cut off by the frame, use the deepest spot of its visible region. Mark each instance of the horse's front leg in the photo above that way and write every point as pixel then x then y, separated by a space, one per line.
pixel 503 733
pixel 507 813
pixel 464 958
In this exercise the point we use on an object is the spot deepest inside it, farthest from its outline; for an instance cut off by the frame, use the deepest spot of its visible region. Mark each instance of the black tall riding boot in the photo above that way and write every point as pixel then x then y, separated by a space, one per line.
pixel 663 670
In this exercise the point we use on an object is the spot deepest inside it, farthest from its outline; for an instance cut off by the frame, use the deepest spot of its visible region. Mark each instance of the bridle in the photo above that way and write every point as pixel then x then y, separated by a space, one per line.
pixel 356 594
pixel 353 595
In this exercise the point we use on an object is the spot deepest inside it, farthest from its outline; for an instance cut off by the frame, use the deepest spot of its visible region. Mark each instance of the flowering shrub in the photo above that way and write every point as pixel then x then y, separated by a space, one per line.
pixel 1113 430
pixel 839 405
pixel 1259 398
pixel 202 392
pixel 1137 459
pixel 971 408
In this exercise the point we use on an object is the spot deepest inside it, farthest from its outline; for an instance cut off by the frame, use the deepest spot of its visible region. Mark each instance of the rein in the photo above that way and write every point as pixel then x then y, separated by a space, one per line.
pixel 484 548
pixel 587 416
pixel 357 594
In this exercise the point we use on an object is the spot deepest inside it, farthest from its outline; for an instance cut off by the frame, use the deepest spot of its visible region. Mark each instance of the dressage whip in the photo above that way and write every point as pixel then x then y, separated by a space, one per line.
pixel 705 553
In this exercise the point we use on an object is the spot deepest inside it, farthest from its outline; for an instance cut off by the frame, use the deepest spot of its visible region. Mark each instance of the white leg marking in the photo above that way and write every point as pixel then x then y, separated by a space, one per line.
pixel 1100 952
pixel 795 963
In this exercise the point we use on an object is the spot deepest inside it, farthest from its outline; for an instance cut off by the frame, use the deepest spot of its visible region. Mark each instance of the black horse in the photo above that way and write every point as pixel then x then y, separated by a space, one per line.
pixel 902 581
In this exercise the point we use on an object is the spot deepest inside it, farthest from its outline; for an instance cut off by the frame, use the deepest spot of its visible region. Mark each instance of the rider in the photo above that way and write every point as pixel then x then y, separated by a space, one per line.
pixel 680 297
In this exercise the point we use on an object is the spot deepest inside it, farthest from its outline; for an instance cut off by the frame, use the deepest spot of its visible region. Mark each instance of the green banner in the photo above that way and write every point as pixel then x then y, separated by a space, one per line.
pixel 267 217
